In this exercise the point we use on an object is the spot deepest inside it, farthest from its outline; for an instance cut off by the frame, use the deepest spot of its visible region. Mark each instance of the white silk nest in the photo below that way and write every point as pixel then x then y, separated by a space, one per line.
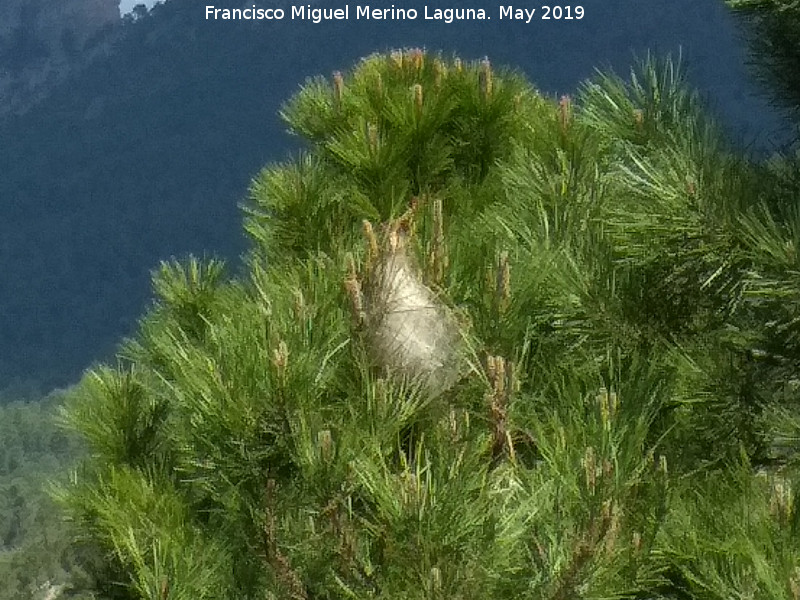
pixel 411 332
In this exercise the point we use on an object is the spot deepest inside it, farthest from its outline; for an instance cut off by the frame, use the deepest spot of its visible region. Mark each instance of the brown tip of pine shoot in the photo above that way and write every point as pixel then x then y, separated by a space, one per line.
pixel 564 113
pixel 417 58
pixel 338 88
pixel 417 91
pixel 372 241
pixel 485 79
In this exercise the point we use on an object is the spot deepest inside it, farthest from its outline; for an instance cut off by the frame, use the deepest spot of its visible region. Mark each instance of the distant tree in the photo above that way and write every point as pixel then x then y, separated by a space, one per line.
pixel 139 11
pixel 484 345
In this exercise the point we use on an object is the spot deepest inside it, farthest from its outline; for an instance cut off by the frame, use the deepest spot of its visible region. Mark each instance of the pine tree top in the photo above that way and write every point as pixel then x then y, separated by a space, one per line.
pixel 486 344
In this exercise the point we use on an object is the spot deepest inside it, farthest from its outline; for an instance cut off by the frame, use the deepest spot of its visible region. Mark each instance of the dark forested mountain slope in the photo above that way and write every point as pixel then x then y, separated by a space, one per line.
pixel 146 153
pixel 42 43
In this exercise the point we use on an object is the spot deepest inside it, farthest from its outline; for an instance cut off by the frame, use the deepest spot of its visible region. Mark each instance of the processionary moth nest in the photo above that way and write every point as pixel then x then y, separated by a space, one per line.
pixel 410 332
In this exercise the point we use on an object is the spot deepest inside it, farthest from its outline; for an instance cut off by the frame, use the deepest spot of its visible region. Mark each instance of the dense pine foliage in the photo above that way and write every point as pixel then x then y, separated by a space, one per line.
pixel 484 345
pixel 774 36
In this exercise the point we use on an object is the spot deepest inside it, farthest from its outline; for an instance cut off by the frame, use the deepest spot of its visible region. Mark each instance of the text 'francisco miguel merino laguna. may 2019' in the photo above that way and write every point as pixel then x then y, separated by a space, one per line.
pixel 394 13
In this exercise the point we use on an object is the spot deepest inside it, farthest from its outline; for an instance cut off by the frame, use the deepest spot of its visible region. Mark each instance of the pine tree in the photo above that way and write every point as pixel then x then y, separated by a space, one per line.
pixel 774 37
pixel 484 345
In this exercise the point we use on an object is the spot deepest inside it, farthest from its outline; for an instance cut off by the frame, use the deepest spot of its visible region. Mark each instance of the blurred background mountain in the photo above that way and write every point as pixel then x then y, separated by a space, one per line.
pixel 42 42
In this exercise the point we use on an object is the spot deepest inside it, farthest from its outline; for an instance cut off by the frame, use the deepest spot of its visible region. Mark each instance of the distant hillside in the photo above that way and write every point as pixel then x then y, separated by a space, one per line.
pixel 55 29
pixel 145 152
pixel 42 42
pixel 35 551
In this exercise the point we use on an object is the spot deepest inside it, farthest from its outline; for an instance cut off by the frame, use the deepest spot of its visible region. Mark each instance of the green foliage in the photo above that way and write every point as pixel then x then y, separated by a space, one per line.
pixel 774 37
pixel 735 536
pixel 407 130
pixel 36 556
pixel 484 345
pixel 151 539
